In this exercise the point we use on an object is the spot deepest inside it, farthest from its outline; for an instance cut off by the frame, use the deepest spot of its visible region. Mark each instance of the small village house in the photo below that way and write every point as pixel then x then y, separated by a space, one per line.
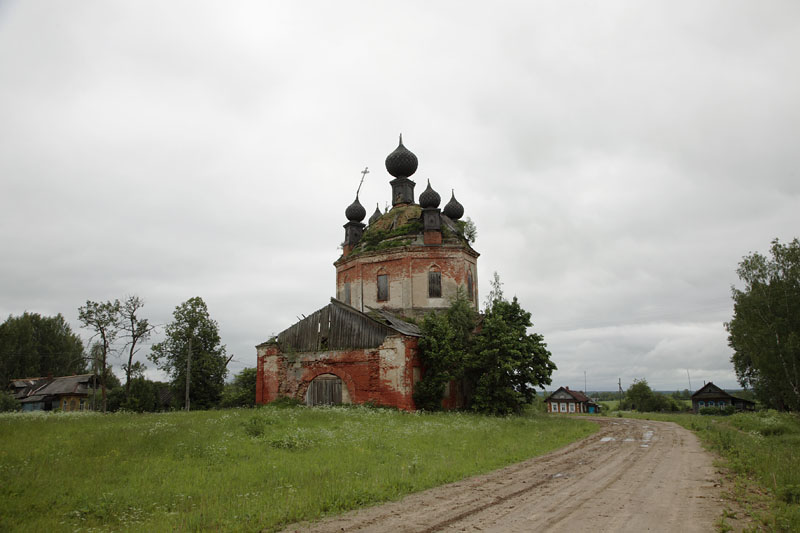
pixel 565 400
pixel 712 396
pixel 67 393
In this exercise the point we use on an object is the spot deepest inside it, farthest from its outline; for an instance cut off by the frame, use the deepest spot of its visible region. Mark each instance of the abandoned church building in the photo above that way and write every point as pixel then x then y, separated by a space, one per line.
pixel 402 264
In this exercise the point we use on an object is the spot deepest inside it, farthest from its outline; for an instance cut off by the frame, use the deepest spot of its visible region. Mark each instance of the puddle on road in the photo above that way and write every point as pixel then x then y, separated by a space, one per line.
pixel 647 435
pixel 607 439
pixel 629 439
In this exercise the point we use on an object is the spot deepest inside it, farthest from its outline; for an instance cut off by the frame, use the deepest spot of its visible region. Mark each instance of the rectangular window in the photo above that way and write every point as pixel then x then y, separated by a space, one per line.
pixel 571 407
pixel 434 284
pixel 470 289
pixel 563 407
pixel 347 294
pixel 383 287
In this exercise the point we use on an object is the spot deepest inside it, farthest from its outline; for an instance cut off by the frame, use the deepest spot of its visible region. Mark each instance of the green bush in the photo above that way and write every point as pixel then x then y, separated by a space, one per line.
pixel 8 403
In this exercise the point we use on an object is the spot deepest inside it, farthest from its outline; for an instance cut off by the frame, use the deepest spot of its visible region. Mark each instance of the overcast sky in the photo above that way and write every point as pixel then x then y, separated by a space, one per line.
pixel 617 158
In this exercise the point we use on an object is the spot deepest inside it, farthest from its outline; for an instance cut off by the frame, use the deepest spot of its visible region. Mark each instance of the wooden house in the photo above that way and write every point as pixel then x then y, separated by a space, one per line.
pixel 67 393
pixel 712 396
pixel 565 400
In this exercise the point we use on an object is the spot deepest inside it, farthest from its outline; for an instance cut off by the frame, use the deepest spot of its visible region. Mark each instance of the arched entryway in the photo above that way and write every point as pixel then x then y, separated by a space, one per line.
pixel 327 389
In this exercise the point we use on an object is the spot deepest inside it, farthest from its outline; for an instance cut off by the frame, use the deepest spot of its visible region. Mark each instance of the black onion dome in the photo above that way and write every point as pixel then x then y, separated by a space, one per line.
pixel 376 215
pixel 453 210
pixel 401 163
pixel 429 197
pixel 355 212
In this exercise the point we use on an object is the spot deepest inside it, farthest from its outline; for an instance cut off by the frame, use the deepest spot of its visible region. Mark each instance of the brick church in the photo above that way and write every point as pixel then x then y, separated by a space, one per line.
pixel 362 346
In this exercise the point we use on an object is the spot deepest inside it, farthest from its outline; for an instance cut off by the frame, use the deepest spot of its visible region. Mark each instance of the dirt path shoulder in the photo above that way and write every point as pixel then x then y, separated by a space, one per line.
pixel 632 475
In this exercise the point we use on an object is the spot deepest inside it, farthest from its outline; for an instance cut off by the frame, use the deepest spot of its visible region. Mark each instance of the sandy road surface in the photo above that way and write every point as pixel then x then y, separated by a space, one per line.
pixel 632 475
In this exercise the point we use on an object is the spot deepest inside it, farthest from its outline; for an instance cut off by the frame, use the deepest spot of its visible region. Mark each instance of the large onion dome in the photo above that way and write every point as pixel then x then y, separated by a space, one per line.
pixel 453 210
pixel 355 212
pixel 376 215
pixel 429 197
pixel 401 163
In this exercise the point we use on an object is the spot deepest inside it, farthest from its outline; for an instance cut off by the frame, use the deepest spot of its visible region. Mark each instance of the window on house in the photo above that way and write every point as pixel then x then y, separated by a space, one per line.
pixel 710 402
pixel 571 407
pixel 701 403
pixel 434 284
pixel 383 287
pixel 347 293
pixel 563 407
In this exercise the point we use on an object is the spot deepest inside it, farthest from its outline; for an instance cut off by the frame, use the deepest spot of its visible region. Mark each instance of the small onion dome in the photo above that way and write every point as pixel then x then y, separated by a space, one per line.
pixel 453 210
pixel 355 212
pixel 429 197
pixel 401 163
pixel 376 215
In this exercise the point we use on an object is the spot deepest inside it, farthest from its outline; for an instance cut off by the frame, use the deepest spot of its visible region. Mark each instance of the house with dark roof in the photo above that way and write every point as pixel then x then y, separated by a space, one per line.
pixel 712 396
pixel 565 400
pixel 67 393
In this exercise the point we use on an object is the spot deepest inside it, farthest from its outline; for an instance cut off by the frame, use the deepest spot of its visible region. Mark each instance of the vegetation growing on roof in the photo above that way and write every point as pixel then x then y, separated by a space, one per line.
pixel 375 239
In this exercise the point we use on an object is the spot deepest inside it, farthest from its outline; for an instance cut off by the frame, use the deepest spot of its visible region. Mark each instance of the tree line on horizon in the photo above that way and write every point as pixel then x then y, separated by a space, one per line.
pixel 32 345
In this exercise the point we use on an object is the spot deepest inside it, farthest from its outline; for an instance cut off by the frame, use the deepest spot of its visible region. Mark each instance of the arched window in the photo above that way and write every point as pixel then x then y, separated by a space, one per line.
pixel 383 286
pixel 434 282
pixel 470 285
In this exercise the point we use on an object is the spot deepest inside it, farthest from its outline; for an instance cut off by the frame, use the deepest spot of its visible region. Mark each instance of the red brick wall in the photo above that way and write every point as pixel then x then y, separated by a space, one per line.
pixel 383 376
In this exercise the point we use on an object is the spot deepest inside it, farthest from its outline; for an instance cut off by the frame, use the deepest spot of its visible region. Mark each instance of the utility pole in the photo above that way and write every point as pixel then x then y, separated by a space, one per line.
pixel 585 391
pixel 188 372
pixel 620 389
pixel 690 380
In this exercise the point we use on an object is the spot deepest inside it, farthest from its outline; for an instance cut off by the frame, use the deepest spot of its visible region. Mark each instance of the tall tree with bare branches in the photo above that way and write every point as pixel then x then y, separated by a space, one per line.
pixel 104 319
pixel 135 330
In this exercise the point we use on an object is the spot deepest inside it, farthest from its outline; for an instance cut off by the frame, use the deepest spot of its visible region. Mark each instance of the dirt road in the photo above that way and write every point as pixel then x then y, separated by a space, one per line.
pixel 632 475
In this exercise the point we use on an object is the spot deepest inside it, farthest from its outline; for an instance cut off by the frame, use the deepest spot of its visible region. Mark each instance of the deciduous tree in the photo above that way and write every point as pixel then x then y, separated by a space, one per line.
pixel 765 329
pixel 135 330
pixel 508 362
pixel 242 391
pixel 445 346
pixel 103 319
pixel 192 323
pixel 32 345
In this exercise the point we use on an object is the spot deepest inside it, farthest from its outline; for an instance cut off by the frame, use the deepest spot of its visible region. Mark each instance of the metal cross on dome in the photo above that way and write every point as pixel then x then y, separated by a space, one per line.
pixel 363 175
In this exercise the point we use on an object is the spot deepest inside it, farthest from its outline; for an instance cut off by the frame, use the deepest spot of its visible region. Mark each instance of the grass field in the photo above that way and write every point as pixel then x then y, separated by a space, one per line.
pixel 762 450
pixel 243 470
